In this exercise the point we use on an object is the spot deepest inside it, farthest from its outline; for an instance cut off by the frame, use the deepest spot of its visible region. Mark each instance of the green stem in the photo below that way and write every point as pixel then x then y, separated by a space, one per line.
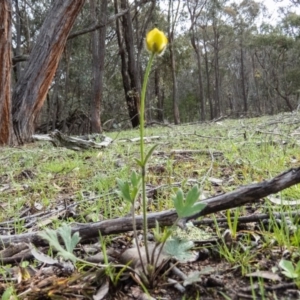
pixel 136 237
pixel 143 163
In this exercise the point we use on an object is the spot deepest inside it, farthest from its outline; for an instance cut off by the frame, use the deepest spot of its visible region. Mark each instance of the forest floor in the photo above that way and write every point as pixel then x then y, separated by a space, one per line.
pixel 42 186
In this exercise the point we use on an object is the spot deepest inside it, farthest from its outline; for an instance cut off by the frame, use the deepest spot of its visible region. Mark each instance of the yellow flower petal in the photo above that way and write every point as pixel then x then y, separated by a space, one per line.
pixel 156 41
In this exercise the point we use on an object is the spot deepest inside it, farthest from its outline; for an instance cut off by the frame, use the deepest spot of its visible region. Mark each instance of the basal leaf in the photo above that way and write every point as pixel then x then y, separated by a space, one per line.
pixel 185 207
pixel 70 240
pixel 179 249
pixel 178 201
pixel 198 207
pixel 51 236
pixel 288 269
pixel 192 278
pixel 192 196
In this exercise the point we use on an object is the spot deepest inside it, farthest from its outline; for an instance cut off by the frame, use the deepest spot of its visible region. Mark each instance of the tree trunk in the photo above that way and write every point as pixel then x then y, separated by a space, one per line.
pixel 259 105
pixel 195 9
pixel 158 95
pixel 128 68
pixel 98 45
pixel 243 80
pixel 200 83
pixel 216 70
pixel 32 88
pixel 5 72
pixel 135 83
pixel 175 88
pixel 17 50
pixel 208 94
pixel 172 57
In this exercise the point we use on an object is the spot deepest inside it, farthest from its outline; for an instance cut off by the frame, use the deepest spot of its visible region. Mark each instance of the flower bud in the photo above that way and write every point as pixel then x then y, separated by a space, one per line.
pixel 156 41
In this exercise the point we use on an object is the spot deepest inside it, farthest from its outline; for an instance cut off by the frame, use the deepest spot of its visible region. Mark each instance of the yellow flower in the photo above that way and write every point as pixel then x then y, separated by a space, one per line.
pixel 156 41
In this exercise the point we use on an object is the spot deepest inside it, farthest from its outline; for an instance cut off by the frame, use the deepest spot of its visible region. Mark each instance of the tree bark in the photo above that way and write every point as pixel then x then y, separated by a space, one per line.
pixel 135 83
pixel 158 95
pixel 243 81
pixel 172 20
pixel 17 50
pixel 200 82
pixel 32 88
pixel 98 46
pixel 208 84
pixel 195 10
pixel 216 70
pixel 5 72
pixel 128 66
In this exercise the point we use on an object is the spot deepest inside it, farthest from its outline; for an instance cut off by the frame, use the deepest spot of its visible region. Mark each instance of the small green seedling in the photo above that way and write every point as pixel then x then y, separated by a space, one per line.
pixel 187 206
pixel 289 270
pixel 129 191
pixel 69 240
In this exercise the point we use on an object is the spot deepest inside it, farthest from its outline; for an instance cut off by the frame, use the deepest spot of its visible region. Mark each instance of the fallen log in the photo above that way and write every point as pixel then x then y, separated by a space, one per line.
pixel 241 196
pixel 78 143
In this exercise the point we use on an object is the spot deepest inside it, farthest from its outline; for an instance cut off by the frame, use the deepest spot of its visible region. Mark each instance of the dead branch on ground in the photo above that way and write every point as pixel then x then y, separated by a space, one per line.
pixel 241 196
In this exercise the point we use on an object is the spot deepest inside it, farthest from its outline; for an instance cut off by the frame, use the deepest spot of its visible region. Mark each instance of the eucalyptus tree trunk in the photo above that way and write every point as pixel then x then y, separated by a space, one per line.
pixel 129 69
pixel 200 83
pixel 17 52
pixel 5 70
pixel 172 18
pixel 175 87
pixel 216 70
pixel 195 8
pixel 32 88
pixel 259 105
pixel 243 81
pixel 208 93
pixel 159 95
pixel 98 46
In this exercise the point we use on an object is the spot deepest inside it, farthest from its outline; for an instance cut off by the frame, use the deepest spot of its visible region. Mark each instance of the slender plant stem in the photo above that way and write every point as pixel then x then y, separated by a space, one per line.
pixel 136 237
pixel 143 162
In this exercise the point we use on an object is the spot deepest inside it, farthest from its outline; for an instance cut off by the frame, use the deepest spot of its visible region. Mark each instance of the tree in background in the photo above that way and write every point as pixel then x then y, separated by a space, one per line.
pixel 172 20
pixel 195 8
pixel 219 62
pixel 98 52
pixel 129 68
pixel 32 87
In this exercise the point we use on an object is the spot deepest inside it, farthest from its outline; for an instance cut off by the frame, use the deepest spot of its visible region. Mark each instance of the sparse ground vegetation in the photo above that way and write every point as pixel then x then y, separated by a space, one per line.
pixel 46 187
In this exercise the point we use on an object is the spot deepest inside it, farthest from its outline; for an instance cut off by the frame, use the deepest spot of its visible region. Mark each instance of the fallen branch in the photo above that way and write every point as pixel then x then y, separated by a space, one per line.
pixel 239 197
pixel 249 219
pixel 78 143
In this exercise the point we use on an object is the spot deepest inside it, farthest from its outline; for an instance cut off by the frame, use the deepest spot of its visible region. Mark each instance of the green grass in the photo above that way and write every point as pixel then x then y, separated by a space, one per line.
pixel 249 150
pixel 58 172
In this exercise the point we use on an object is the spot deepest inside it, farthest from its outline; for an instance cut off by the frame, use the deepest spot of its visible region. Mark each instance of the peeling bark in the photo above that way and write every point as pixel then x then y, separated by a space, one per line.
pixel 32 88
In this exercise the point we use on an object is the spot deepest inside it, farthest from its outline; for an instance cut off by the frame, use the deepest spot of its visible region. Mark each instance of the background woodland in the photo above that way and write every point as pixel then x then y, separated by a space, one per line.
pixel 77 66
